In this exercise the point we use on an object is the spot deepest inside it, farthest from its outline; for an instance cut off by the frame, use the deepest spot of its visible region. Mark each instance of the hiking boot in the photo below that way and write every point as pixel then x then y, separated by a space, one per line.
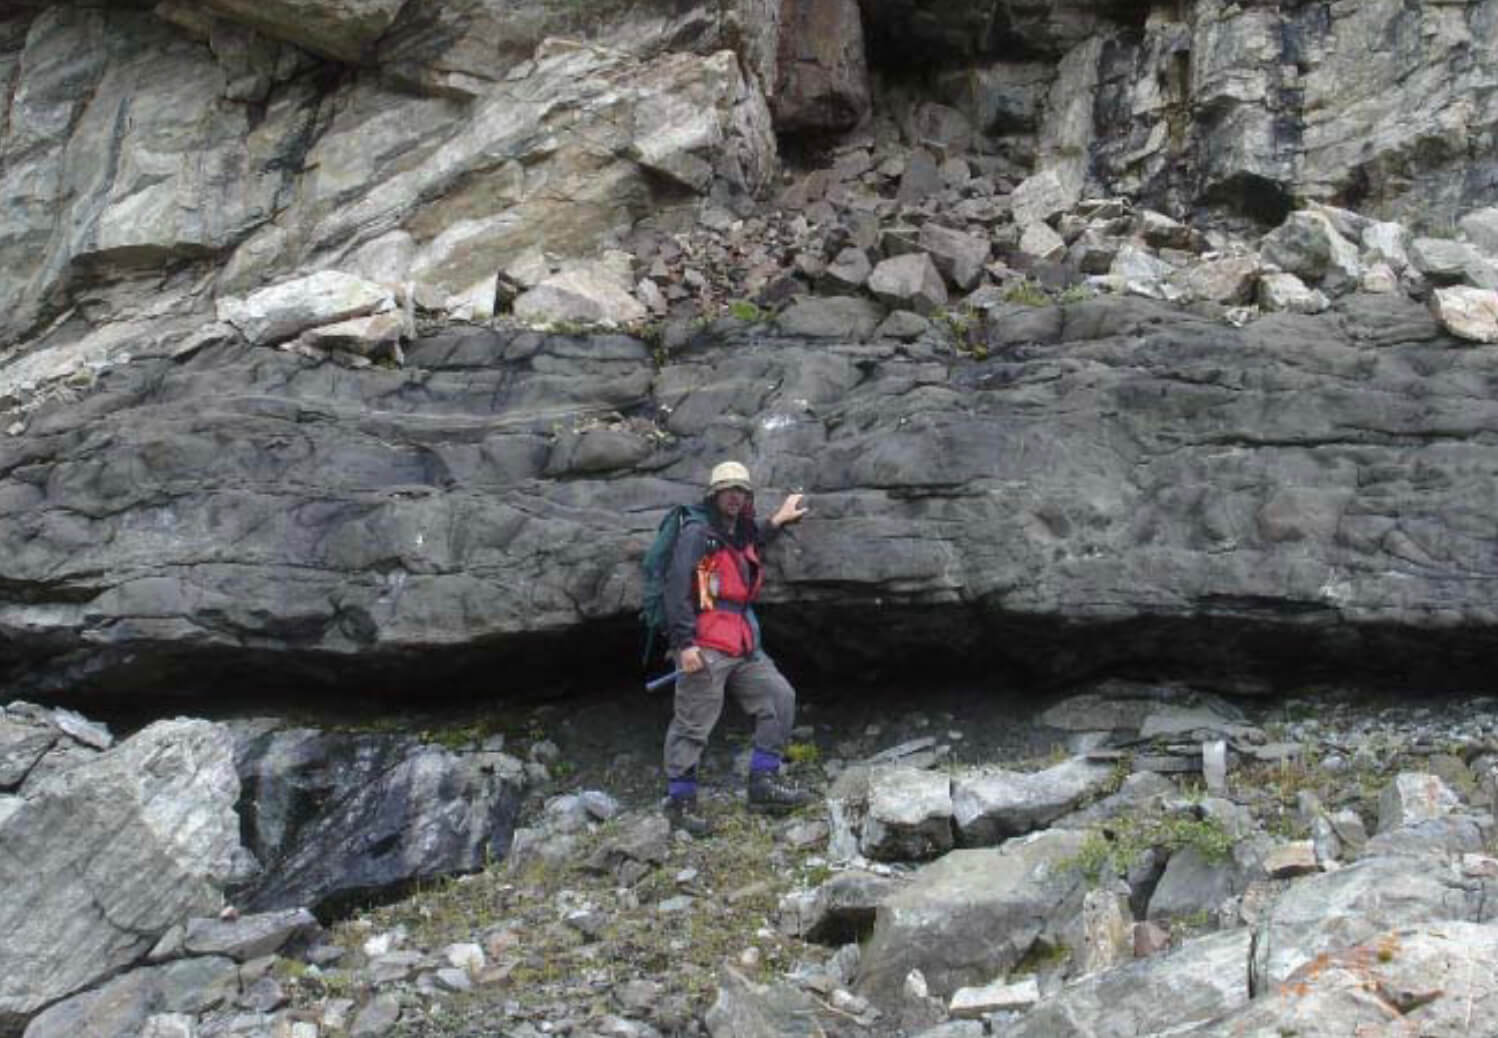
pixel 683 815
pixel 769 794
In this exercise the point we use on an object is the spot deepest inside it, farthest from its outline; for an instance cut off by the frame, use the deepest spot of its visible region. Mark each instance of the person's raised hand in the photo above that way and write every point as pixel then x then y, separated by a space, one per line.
pixel 791 510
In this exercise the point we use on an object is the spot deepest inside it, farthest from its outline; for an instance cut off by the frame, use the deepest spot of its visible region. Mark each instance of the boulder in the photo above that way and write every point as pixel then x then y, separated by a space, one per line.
pixel 909 814
pixel 909 282
pixel 844 907
pixel 959 256
pixel 110 853
pixel 1422 979
pixel 1447 262
pixel 1413 798
pixel 849 318
pixel 346 30
pixel 973 914
pixel 1480 226
pixel 1338 910
pixel 1308 246
pixel 745 1009
pixel 1040 242
pixel 280 312
pixel 1466 312
pixel 246 937
pixel 1041 197
pixel 1288 293
pixel 134 1002
pixel 1201 980
pixel 992 805
pixel 338 817
pixel 581 293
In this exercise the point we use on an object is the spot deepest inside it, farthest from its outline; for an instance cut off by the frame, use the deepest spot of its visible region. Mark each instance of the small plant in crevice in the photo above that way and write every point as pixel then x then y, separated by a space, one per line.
pixel 1026 293
pixel 1121 842
pixel 744 310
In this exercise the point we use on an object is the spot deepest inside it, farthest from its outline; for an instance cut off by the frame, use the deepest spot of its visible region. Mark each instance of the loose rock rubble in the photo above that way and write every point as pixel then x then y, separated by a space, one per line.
pixel 878 230
pixel 939 891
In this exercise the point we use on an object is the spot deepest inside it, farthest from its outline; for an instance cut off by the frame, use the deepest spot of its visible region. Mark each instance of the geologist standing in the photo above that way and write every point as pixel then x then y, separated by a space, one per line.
pixel 712 580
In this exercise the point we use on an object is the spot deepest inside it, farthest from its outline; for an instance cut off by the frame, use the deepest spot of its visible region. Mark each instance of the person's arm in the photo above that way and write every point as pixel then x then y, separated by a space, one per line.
pixel 681 614
pixel 791 510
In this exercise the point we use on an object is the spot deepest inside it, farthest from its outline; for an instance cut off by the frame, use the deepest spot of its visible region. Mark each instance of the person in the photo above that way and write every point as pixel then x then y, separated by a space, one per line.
pixel 713 577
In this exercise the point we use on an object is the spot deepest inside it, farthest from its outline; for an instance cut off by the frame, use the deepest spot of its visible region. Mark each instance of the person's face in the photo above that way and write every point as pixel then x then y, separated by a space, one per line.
pixel 731 502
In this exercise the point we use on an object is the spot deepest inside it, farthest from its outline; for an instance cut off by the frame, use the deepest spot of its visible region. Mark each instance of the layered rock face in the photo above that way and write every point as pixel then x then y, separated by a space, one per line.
pixel 258 409
pixel 1109 464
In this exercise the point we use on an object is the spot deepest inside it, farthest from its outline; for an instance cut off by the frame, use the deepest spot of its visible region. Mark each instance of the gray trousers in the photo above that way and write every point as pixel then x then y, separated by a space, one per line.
pixel 757 685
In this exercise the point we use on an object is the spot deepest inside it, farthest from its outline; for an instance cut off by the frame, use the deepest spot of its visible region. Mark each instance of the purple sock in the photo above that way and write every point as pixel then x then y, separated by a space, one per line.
pixel 764 760
pixel 681 788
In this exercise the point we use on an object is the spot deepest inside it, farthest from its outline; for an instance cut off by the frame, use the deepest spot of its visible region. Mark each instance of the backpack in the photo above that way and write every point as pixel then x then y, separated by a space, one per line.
pixel 657 558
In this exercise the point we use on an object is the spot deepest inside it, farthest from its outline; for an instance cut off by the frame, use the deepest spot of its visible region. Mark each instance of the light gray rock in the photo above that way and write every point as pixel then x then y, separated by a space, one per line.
pixel 842 910
pixel 909 282
pixel 1287 293
pixel 249 936
pixel 584 293
pixel 80 729
pixel 1041 197
pixel 973 914
pixel 848 271
pixel 998 997
pixel 959 256
pixel 1308 246
pixel 378 335
pixel 1295 858
pixel 1102 711
pixel 1481 228
pixel 342 29
pixel 1335 910
pixel 1385 242
pixel 909 814
pixel 1142 273
pixel 114 851
pixel 1107 930
pixel 1038 240
pixel 125 1005
pixel 1448 262
pixel 1195 886
pixel 744 1009
pixel 170 1025
pixel 1424 978
pixel 1448 836
pixel 1466 312
pixel 849 318
pixel 1194 721
pixel 279 312
pixel 904 325
pixel 1413 798
pixel 1229 280
pixel 992 805
pixel 1201 980
pixel 22 744
pixel 376 1017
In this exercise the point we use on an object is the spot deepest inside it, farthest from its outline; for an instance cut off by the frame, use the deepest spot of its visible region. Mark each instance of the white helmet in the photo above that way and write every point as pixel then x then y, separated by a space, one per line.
pixel 729 474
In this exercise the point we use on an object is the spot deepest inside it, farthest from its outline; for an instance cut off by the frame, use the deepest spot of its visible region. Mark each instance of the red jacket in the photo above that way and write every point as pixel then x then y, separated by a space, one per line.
pixel 727 581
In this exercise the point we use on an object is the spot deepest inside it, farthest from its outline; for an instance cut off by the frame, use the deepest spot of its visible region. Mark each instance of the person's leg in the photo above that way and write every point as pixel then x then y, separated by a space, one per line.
pixel 768 697
pixel 699 703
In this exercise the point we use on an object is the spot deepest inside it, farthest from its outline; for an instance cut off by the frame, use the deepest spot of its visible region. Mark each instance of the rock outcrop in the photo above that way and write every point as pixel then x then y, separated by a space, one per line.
pixel 265 272
pixel 103 857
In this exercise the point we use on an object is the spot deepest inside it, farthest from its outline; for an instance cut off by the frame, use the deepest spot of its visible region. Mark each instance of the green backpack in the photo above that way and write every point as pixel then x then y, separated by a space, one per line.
pixel 653 606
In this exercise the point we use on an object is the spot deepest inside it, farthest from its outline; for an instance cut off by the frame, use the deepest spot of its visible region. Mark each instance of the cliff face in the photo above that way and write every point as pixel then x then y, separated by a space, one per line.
pixel 155 157
pixel 187 487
